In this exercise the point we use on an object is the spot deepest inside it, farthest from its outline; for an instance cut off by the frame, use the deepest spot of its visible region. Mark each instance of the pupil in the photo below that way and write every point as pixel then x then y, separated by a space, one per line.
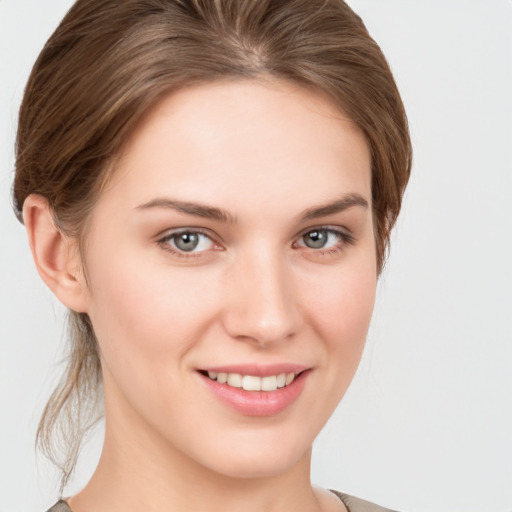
pixel 315 239
pixel 187 241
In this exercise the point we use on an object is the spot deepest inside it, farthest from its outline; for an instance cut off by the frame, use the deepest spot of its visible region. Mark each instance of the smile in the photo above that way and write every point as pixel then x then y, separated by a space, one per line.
pixel 253 382
pixel 254 390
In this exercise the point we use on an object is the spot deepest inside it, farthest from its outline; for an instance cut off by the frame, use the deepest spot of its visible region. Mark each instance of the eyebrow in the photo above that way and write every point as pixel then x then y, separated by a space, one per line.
pixel 333 207
pixel 199 210
pixel 220 215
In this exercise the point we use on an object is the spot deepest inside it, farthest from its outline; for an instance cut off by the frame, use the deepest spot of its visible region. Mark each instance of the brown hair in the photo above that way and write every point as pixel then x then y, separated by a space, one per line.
pixel 110 60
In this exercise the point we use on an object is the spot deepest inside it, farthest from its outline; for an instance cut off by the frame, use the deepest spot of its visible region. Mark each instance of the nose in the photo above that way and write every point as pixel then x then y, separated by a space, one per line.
pixel 263 306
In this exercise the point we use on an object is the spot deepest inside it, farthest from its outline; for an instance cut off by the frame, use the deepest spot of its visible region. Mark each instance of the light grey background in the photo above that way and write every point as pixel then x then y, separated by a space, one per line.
pixel 427 423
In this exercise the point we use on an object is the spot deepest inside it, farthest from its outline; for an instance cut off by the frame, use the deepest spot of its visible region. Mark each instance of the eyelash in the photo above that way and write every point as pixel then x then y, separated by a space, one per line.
pixel 164 242
pixel 344 239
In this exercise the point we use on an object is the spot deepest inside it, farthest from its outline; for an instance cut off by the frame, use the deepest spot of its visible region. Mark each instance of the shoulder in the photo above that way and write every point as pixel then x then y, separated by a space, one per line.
pixel 358 505
pixel 60 506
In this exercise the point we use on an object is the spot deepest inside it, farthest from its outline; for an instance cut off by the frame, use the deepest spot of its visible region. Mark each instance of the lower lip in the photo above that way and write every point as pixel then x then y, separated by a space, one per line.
pixel 258 403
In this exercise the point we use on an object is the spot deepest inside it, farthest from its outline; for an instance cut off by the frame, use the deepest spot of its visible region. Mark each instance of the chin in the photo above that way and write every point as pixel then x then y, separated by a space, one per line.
pixel 259 458
pixel 257 468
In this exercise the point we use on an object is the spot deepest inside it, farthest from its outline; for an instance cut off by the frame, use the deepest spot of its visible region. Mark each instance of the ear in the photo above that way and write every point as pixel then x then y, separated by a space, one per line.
pixel 55 254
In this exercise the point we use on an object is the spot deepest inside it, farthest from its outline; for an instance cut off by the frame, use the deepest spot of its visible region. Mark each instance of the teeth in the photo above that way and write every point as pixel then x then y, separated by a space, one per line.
pixel 253 383
pixel 250 383
pixel 269 383
pixel 235 380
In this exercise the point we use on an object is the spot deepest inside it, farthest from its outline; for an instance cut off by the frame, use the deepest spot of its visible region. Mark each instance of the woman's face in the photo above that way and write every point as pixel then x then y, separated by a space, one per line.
pixel 235 241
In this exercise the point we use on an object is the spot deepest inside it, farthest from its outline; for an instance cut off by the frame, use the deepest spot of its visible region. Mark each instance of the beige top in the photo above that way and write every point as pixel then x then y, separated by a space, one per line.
pixel 352 504
pixel 359 505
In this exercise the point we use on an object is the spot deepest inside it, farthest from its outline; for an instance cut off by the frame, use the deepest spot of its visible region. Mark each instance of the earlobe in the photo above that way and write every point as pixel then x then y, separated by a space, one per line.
pixel 55 254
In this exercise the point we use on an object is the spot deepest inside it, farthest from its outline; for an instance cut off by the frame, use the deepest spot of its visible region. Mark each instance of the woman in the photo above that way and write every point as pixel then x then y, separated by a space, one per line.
pixel 209 187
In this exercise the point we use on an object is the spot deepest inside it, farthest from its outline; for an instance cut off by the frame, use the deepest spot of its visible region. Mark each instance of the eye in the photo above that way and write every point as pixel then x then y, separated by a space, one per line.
pixel 317 239
pixel 324 239
pixel 188 241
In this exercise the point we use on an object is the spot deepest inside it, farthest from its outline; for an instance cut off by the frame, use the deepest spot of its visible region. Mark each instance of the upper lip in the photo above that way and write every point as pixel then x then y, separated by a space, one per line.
pixel 258 370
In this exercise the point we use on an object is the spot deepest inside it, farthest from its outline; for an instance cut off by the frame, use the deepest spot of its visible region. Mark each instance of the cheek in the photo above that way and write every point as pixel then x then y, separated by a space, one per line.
pixel 343 306
pixel 148 321
pixel 145 313
pixel 340 313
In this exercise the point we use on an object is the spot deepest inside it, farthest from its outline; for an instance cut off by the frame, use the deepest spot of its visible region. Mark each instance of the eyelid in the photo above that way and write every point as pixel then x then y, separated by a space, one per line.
pixel 344 233
pixel 163 238
pixel 345 239
pixel 168 233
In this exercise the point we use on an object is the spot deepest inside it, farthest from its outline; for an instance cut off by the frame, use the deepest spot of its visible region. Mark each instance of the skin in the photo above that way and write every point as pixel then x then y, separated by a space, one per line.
pixel 265 152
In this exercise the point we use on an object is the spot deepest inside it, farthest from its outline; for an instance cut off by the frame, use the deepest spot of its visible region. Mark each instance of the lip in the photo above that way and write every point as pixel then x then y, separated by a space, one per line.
pixel 258 370
pixel 257 403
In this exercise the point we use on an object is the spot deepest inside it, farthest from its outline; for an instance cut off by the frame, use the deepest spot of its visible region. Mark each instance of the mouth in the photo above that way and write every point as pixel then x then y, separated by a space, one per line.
pixel 256 391
pixel 252 382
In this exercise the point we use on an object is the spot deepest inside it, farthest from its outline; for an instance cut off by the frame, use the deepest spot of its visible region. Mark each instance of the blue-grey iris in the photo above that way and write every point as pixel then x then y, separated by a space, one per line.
pixel 316 239
pixel 186 241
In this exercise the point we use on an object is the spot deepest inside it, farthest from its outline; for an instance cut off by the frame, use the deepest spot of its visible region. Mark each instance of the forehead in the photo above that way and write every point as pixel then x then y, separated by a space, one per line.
pixel 228 141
